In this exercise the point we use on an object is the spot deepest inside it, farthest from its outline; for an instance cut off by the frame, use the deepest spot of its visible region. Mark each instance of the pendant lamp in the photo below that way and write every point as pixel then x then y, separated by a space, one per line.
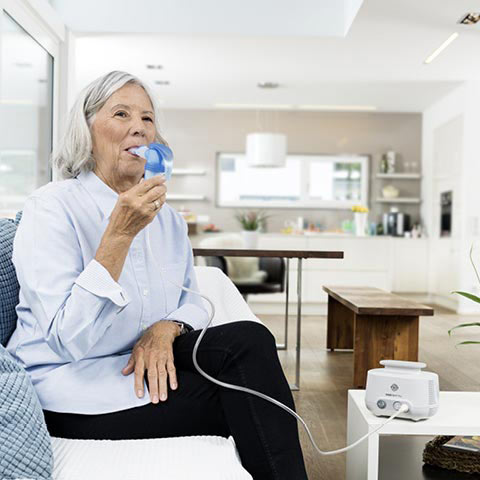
pixel 266 149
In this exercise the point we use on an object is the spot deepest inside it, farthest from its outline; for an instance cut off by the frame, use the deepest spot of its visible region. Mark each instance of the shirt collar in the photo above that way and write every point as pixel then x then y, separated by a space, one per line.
pixel 101 193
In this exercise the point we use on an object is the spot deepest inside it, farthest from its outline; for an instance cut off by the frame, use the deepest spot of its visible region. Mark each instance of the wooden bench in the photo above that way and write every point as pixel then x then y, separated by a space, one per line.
pixel 376 324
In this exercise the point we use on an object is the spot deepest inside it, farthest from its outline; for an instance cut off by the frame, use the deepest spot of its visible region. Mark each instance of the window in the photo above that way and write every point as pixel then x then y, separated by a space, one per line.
pixel 26 87
pixel 306 181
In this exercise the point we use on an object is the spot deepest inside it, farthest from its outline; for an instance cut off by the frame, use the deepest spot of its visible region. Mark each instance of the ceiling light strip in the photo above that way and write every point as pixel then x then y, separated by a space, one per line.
pixel 441 48
pixel 253 106
pixel 343 108
pixel 258 106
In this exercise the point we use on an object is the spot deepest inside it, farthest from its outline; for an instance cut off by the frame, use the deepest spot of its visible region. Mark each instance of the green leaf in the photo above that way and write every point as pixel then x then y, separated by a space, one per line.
pixel 469 296
pixel 251 220
pixel 468 342
pixel 473 263
pixel 462 325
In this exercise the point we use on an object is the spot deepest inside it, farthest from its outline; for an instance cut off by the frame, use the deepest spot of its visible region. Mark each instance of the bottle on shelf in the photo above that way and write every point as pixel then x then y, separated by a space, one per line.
pixel 391 161
pixel 383 164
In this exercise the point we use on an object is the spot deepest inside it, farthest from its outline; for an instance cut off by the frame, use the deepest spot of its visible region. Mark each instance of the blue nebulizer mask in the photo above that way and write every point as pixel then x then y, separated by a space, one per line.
pixel 159 159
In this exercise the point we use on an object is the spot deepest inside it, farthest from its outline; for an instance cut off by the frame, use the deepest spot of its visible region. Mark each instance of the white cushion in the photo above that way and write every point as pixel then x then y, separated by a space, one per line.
pixel 242 270
pixel 181 458
pixel 254 279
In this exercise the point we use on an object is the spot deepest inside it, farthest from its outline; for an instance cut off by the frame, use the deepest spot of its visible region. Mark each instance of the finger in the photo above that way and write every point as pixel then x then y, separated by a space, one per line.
pixel 172 374
pixel 162 379
pixel 154 194
pixel 139 373
pixel 144 187
pixel 153 379
pixel 128 369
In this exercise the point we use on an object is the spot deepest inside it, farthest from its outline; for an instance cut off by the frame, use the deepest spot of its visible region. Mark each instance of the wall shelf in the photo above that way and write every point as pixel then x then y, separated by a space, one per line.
pixel 398 200
pixel 181 196
pixel 400 176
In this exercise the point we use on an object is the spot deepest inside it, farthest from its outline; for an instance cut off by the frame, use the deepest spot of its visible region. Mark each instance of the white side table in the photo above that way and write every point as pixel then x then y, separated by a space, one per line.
pixel 459 414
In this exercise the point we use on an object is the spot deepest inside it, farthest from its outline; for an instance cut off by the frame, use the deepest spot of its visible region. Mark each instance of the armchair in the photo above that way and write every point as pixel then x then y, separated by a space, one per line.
pixel 274 282
pixel 249 275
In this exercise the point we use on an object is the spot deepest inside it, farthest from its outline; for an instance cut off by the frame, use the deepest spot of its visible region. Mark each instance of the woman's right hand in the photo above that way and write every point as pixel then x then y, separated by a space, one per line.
pixel 137 207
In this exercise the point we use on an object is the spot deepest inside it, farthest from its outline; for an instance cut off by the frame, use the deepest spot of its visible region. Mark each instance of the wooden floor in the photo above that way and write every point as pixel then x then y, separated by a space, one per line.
pixel 326 378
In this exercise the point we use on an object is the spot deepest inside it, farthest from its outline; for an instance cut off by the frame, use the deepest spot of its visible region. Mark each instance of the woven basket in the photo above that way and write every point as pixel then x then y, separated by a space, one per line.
pixel 434 454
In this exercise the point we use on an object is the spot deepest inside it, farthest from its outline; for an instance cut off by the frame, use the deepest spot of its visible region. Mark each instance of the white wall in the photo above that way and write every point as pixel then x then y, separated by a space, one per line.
pixel 196 136
pixel 450 131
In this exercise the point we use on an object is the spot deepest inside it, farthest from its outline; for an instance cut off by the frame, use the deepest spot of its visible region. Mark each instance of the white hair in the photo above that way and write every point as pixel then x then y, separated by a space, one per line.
pixel 75 151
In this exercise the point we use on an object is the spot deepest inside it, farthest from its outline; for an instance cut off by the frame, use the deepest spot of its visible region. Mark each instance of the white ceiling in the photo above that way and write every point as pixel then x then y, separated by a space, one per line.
pixel 379 62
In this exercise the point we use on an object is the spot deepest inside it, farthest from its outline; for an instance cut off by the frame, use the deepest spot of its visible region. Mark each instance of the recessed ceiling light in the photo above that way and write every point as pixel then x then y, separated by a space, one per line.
pixel 344 108
pixel 441 48
pixel 268 85
pixel 151 66
pixel 162 82
pixel 253 106
pixel 469 19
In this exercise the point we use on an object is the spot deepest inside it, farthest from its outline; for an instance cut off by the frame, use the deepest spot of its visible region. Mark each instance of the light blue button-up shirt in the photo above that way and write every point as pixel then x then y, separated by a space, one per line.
pixel 76 326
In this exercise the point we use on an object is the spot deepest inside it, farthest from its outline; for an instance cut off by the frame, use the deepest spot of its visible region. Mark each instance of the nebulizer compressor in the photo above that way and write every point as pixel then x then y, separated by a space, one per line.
pixel 159 161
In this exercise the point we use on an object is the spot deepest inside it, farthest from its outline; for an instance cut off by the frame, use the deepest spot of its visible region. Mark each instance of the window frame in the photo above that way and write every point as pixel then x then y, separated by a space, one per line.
pixel 43 25
pixel 305 200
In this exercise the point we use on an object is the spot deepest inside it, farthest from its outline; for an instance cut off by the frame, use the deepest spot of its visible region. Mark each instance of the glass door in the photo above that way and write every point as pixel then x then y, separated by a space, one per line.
pixel 26 107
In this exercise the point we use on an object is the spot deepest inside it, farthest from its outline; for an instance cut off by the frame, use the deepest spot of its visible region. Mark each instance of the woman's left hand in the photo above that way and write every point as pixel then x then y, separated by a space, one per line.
pixel 153 352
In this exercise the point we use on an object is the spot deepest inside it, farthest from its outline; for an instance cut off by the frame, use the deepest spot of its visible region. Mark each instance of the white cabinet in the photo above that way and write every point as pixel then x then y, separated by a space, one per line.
pixel 361 254
pixel 365 262
pixel 444 271
pixel 393 264
pixel 409 265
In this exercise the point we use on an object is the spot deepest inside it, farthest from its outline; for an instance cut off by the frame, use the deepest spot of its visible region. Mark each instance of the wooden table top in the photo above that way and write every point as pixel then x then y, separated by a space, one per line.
pixel 373 301
pixel 243 252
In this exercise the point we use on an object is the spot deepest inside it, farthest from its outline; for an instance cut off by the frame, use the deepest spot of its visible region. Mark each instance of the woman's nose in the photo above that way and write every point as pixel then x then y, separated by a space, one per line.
pixel 137 127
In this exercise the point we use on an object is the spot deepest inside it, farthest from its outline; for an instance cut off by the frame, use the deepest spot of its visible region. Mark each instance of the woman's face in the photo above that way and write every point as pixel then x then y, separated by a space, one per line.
pixel 126 120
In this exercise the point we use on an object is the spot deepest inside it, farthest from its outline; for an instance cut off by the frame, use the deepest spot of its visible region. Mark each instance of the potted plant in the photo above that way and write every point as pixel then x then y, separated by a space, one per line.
pixel 251 223
pixel 360 216
pixel 472 297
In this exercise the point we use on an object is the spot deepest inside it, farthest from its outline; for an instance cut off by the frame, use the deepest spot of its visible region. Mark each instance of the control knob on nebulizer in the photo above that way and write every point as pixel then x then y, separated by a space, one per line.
pixel 159 159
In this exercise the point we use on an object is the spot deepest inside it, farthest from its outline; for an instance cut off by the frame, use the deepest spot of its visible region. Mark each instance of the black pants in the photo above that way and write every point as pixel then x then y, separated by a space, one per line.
pixel 241 353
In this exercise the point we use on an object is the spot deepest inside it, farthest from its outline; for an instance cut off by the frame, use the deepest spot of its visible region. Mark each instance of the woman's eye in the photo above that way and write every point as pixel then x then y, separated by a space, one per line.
pixel 121 114
pixel 148 119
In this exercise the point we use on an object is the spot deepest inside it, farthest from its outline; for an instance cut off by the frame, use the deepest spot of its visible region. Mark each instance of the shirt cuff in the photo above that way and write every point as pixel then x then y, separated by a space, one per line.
pixel 97 280
pixel 190 315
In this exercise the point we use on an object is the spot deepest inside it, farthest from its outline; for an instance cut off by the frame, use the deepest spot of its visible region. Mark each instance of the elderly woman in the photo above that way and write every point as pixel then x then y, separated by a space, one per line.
pixel 107 342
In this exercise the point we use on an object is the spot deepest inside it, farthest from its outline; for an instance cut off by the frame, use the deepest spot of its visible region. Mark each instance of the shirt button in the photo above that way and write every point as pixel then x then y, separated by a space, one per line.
pixel 145 292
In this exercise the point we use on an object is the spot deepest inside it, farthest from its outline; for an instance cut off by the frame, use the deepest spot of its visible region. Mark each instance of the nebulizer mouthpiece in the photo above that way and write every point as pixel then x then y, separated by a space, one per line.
pixel 159 159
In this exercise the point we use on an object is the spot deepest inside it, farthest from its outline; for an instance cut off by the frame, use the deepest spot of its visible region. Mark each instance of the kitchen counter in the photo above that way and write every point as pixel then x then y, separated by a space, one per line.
pixel 195 239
